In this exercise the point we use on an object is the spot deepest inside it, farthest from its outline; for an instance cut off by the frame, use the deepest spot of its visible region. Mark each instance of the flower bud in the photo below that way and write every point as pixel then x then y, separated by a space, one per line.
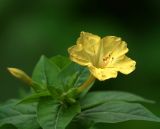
pixel 20 75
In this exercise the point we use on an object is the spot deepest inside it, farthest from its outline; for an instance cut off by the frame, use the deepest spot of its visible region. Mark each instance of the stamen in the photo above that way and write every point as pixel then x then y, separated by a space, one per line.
pixel 105 59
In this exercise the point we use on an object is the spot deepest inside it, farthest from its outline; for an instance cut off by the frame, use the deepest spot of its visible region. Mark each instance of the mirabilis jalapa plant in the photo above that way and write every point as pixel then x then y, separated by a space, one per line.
pixel 60 98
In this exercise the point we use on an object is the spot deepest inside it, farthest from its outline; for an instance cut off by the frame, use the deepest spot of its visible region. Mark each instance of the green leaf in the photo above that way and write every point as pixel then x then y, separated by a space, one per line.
pixel 113 112
pixel 59 75
pixel 34 97
pixel 82 75
pixel 61 61
pixel 73 75
pixel 80 124
pixel 45 72
pixel 21 116
pixel 99 97
pixel 53 115
pixel 8 126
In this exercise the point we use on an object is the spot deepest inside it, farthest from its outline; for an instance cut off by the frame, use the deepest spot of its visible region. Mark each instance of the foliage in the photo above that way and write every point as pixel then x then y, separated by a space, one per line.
pixel 57 104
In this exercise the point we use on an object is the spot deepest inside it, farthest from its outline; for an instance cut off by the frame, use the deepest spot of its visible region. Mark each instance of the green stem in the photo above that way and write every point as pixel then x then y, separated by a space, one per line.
pixel 86 84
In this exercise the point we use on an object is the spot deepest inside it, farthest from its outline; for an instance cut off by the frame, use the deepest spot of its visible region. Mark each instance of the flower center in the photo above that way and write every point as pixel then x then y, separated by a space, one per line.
pixel 105 60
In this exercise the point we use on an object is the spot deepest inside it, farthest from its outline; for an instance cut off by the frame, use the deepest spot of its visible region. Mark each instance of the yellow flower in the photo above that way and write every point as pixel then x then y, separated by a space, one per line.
pixel 104 57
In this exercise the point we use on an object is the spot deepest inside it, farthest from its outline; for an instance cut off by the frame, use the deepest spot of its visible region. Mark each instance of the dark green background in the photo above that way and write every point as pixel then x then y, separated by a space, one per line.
pixel 30 28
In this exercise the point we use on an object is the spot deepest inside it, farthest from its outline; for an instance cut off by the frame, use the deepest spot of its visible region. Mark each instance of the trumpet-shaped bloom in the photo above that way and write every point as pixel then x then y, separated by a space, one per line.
pixel 104 57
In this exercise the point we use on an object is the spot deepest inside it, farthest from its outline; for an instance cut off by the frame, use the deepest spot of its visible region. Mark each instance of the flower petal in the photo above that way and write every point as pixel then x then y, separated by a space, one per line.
pixel 78 55
pixel 103 73
pixel 85 51
pixel 114 46
pixel 125 65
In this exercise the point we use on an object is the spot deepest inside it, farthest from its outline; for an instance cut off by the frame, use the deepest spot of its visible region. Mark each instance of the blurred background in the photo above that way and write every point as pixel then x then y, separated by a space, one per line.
pixel 30 28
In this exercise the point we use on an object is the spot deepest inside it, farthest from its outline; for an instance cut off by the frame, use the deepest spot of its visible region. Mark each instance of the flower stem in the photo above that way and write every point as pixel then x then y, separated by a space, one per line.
pixel 86 84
